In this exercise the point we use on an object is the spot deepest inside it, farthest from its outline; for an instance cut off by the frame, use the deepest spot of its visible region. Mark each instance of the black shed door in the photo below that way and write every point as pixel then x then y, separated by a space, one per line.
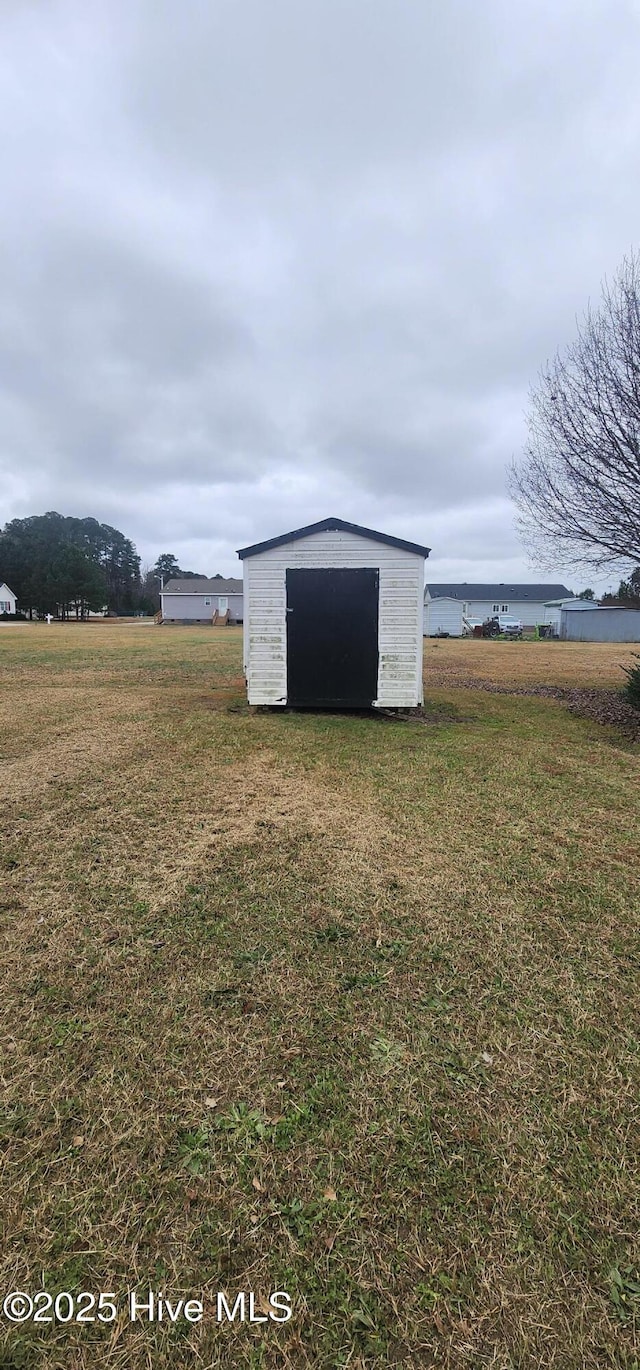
pixel 332 637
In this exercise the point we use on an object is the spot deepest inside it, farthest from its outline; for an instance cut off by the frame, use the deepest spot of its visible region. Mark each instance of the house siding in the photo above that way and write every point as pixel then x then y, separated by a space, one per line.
pixel 191 608
pixel 530 612
pixel 399 615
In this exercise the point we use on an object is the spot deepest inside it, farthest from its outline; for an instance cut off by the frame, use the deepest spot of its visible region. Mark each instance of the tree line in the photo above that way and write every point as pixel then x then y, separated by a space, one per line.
pixel 628 593
pixel 69 567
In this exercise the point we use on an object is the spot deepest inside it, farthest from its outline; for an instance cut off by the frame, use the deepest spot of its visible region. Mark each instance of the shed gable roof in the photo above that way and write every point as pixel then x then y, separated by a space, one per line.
pixel 534 593
pixel 331 525
pixel 191 586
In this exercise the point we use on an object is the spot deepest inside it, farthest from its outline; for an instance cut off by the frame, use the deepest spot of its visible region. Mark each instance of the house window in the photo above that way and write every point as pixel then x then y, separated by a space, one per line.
pixel 5 606
pixel 465 608
pixel 207 602
pixel 504 609
pixel 496 609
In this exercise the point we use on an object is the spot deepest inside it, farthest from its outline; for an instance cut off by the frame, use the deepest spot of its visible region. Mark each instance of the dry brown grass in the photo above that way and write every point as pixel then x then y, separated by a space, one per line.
pixel 588 664
pixel 401 961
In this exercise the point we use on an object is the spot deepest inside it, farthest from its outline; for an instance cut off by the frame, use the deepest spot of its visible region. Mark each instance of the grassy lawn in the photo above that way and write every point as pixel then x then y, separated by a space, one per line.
pixel 586 664
pixel 326 1004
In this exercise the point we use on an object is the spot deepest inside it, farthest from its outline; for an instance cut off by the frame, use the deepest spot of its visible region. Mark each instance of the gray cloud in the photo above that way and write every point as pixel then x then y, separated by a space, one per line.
pixel 262 263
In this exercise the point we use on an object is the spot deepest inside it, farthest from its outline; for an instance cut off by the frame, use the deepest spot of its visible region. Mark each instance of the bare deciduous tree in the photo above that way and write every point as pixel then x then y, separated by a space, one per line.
pixel 577 487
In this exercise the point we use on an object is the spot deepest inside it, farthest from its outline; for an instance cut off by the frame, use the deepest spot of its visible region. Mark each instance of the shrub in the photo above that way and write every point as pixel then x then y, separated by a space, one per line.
pixel 631 690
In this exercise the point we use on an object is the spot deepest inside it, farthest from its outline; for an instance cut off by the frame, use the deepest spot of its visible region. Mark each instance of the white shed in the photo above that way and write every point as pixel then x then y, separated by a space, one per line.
pixel 333 618
pixel 443 616
pixel 553 610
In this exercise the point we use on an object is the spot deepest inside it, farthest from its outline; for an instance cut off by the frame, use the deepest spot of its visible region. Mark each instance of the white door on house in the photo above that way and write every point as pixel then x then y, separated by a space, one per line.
pixel 223 604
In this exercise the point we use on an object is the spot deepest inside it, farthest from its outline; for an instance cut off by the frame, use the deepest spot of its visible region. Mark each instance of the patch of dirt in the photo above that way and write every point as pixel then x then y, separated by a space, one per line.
pixel 603 706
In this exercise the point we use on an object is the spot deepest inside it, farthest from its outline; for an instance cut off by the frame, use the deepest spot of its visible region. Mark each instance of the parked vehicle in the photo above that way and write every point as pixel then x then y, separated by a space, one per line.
pixel 502 625
pixel 512 627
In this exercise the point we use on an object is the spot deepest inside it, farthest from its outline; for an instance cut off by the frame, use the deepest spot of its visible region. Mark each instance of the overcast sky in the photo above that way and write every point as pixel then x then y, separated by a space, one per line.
pixel 269 260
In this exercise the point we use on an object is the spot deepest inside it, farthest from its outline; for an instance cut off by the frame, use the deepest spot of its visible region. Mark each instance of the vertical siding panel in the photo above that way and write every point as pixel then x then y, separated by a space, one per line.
pixel 600 625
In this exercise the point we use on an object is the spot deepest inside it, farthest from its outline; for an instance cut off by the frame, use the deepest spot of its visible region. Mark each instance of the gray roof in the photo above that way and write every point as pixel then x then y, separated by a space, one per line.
pixel 537 593
pixel 333 525
pixel 203 587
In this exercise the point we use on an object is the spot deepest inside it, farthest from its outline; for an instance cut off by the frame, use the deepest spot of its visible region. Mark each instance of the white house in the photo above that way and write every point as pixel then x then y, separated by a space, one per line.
pixel 333 618
pixel 482 601
pixel 8 602
pixel 200 600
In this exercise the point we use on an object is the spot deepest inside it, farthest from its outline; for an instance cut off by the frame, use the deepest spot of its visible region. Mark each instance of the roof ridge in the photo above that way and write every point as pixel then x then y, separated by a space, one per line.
pixel 329 525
